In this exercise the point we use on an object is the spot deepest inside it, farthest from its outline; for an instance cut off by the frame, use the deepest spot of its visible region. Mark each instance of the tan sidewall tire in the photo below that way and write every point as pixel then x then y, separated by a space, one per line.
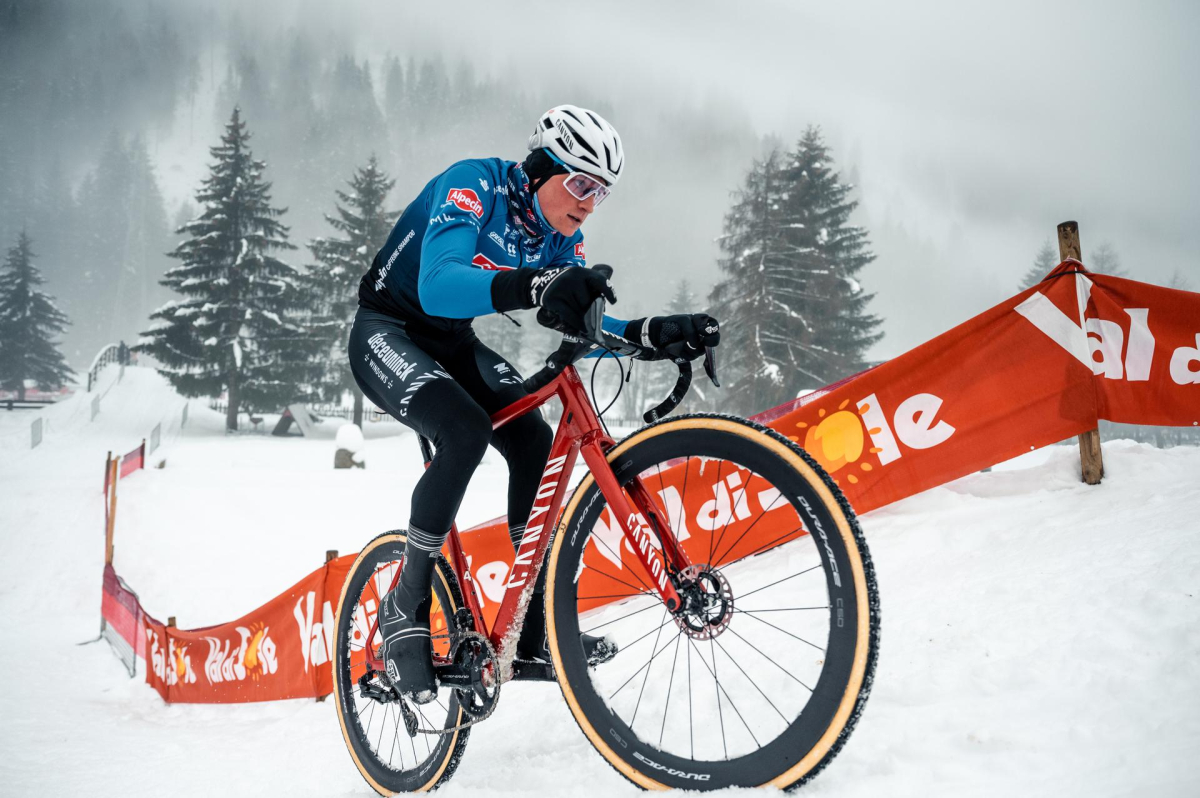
pixel 858 671
pixel 382 540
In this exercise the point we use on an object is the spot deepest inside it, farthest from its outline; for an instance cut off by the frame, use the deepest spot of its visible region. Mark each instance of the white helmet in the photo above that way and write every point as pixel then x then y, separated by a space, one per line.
pixel 582 140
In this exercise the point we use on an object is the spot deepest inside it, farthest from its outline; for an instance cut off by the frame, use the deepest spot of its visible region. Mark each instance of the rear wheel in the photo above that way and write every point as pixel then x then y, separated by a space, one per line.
pixel 761 680
pixel 377 732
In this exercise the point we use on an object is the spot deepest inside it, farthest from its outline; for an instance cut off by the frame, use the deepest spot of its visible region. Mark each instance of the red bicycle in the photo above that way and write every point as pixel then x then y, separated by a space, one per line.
pixel 720 558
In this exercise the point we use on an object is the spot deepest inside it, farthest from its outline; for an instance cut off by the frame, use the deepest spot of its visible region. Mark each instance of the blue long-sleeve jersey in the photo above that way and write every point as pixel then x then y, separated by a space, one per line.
pixel 436 269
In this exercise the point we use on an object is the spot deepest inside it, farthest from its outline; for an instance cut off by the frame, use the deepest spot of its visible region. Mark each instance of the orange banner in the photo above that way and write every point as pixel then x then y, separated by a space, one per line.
pixel 281 650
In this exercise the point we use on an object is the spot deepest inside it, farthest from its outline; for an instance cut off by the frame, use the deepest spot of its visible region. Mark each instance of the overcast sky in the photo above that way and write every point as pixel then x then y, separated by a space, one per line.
pixel 972 129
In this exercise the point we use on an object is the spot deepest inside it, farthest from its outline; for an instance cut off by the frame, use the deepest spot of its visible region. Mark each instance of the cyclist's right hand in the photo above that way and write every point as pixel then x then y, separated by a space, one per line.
pixel 683 336
pixel 565 294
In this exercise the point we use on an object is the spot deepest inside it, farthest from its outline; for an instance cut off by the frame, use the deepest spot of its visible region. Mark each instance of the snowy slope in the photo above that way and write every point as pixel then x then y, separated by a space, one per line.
pixel 1041 636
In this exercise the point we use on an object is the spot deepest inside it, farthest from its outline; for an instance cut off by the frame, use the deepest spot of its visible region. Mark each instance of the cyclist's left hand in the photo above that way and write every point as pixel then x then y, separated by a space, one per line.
pixel 673 337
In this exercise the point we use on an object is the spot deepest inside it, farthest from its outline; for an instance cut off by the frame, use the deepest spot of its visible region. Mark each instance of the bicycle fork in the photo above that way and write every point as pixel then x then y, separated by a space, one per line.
pixel 630 516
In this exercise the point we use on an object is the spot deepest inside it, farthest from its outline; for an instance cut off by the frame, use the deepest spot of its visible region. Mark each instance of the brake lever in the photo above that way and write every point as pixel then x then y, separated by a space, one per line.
pixel 593 320
pixel 710 364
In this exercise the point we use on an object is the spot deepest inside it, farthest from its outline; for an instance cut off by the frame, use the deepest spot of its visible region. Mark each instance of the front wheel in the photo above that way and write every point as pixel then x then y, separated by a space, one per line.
pixel 761 678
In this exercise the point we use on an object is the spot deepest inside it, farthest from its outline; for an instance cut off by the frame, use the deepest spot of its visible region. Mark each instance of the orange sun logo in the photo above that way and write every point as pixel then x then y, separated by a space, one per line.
pixel 837 440
pixel 253 666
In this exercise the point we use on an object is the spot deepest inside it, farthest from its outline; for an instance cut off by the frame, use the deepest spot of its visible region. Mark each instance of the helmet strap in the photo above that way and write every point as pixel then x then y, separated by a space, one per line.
pixel 539 167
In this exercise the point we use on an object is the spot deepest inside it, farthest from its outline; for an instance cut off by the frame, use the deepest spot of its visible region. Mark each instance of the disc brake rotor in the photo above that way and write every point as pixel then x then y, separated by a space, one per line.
pixel 707 602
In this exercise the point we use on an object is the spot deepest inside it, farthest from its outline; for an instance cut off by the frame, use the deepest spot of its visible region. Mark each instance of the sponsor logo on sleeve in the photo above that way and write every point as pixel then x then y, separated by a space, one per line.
pixel 467 200
pixel 579 250
pixel 484 262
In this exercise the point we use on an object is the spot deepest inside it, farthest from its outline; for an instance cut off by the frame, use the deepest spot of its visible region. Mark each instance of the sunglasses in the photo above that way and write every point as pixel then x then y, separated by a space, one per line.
pixel 582 185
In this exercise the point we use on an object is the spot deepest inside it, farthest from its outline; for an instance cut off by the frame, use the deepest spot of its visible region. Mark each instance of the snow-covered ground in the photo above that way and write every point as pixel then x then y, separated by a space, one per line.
pixel 1040 637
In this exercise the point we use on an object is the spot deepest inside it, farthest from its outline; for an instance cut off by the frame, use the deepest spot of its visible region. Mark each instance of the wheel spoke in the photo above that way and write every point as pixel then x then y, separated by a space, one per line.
pixel 670 684
pixel 623 617
pixel 617 554
pixel 779 581
pixel 740 537
pixel 652 656
pixel 785 631
pixel 749 679
pixel 712 533
pixel 764 547
pixel 646 678
pixel 616 596
pixel 632 587
pixel 733 516
pixel 773 662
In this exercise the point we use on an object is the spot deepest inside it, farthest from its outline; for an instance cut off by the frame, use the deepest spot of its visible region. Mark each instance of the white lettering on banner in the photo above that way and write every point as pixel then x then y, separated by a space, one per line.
pixel 1181 364
pixel 1098 343
pixel 914 423
pixel 171 667
pixel 489 578
pixel 876 423
pixel 254 655
pixel 725 506
pixel 1141 345
pixel 316 638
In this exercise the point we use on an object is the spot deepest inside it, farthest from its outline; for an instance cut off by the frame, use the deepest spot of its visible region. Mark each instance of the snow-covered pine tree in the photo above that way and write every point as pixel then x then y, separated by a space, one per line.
pixel 792 311
pixel 364 222
pixel 1104 260
pixel 1043 263
pixel 29 321
pixel 234 330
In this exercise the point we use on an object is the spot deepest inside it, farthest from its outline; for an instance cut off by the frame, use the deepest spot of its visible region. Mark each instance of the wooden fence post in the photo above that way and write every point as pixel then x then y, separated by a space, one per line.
pixel 330 556
pixel 114 472
pixel 1090 459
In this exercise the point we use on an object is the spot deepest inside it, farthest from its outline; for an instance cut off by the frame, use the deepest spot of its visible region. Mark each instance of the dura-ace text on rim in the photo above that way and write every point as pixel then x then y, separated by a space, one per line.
pixel 764 680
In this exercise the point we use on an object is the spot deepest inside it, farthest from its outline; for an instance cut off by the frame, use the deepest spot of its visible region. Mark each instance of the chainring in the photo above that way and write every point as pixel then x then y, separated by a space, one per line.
pixel 478 699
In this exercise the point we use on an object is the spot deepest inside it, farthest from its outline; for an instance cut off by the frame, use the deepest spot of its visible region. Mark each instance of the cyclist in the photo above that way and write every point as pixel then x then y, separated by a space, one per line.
pixel 486 236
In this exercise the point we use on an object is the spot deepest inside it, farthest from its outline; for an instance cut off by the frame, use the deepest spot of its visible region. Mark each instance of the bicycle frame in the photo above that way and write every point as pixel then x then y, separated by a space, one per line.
pixel 579 432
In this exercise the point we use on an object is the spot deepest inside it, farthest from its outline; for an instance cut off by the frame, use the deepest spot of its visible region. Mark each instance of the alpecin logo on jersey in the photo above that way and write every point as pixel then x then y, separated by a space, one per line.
pixel 579 250
pixel 483 262
pixel 466 199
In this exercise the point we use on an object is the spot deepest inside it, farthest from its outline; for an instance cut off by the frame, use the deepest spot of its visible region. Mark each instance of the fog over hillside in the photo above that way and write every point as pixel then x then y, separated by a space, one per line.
pixel 969 132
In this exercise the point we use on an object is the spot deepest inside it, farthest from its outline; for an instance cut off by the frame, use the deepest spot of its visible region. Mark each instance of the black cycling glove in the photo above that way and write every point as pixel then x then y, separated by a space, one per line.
pixel 674 337
pixel 564 294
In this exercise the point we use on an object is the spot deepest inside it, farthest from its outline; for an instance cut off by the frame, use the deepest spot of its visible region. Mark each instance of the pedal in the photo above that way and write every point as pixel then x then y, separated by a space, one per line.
pixel 533 671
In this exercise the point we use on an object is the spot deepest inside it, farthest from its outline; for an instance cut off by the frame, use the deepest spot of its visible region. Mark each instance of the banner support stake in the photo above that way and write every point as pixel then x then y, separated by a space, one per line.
pixel 1091 461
